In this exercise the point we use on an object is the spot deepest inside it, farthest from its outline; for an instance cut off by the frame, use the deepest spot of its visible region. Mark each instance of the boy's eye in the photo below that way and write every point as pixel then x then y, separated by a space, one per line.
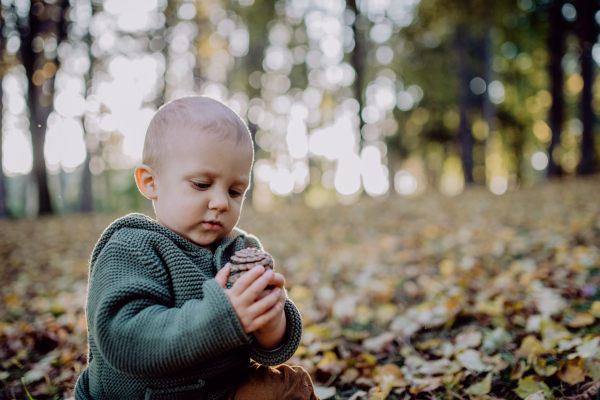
pixel 201 185
pixel 234 193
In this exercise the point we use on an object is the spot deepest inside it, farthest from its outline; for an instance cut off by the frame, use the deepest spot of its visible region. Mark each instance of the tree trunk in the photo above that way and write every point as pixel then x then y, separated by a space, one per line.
pixel 357 60
pixel 3 206
pixel 587 33
pixel 556 50
pixel 46 19
pixel 464 132
pixel 487 107
pixel 86 203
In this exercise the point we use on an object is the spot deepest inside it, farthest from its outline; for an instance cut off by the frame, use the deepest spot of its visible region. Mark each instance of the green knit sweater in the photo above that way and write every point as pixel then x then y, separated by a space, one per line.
pixel 159 324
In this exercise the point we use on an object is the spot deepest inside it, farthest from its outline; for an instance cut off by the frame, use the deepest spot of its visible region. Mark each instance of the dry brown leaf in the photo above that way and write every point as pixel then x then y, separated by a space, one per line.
pixel 531 347
pixel 519 369
pixel 580 320
pixel 572 373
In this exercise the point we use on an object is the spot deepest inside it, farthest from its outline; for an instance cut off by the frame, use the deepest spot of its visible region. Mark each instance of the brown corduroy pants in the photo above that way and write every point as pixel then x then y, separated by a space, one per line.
pixel 275 383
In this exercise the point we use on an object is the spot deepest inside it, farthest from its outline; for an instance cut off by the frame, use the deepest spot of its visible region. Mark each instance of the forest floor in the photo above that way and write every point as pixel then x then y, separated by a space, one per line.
pixel 476 296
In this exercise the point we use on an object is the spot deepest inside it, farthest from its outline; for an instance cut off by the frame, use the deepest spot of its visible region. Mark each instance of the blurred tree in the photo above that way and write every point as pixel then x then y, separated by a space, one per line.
pixel 556 50
pixel 44 26
pixel 357 59
pixel 465 136
pixel 3 206
pixel 86 203
pixel 587 30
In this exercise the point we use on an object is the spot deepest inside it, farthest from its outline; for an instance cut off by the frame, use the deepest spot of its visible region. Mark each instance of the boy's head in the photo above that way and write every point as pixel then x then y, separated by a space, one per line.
pixel 196 168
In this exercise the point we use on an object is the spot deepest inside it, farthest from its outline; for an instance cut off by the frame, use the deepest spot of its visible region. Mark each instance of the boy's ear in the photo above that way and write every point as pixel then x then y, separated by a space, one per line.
pixel 145 178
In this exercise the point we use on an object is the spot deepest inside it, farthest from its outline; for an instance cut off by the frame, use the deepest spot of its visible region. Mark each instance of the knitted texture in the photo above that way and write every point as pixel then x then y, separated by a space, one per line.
pixel 159 324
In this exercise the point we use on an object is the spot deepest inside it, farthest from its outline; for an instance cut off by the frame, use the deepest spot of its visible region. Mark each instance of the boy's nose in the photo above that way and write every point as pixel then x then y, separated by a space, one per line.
pixel 219 202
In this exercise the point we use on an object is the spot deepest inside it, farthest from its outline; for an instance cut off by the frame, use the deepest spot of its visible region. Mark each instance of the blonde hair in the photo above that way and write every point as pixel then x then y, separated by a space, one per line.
pixel 197 113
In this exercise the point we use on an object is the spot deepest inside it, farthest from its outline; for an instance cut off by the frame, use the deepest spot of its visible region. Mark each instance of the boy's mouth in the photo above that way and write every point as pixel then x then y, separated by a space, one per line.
pixel 212 225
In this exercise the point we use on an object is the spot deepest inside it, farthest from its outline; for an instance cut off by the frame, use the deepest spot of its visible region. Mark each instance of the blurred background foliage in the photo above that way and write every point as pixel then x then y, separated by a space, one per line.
pixel 383 97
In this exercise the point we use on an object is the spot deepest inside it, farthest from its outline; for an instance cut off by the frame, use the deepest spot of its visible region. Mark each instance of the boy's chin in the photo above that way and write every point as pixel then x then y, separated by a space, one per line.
pixel 207 243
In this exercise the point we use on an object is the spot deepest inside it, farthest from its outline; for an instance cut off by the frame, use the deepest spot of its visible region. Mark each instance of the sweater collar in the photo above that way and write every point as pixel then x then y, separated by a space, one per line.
pixel 141 221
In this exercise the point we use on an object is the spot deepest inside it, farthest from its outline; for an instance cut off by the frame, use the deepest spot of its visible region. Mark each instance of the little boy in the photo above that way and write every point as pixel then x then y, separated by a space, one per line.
pixel 162 321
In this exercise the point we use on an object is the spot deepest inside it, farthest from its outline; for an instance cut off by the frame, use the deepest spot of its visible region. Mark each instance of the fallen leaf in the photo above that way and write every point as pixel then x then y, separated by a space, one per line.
pixel 350 375
pixel 471 360
pixel 548 301
pixel 495 340
pixel 389 377
pixel 328 358
pixel 404 327
pixel 531 347
pixel 467 340
pixel 378 343
pixel 424 385
pixel 572 373
pixel 358 394
pixel 539 395
pixel 565 345
pixel 519 369
pixel 324 392
pixel 588 349
pixel 591 367
pixel 543 368
pixel 482 387
pixel 438 367
pixel 580 320
pixel 33 375
pixel 595 309
pixel 528 386
pixel 498 362
pixel 364 383
pixel 553 333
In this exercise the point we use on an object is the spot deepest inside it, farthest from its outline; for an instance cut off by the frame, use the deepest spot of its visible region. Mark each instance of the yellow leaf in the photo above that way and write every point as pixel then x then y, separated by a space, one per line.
pixel 581 319
pixel 300 351
pixel 388 377
pixel 482 387
pixel 572 373
pixel 390 373
pixel 595 309
pixel 529 386
pixel 447 268
pixel 497 361
pixel 424 385
pixel 592 368
pixel 328 358
pixel 364 314
pixel 531 346
pixel 350 375
pixel 518 370
pixel 542 368
pixel 367 359
pixel 553 333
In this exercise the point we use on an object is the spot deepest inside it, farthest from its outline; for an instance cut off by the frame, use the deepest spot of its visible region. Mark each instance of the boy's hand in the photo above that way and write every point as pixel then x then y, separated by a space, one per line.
pixel 257 309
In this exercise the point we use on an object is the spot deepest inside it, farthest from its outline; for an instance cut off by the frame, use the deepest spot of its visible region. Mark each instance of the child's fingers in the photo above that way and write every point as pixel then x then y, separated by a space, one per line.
pixel 247 279
pixel 222 276
pixel 264 304
pixel 266 317
pixel 254 290
pixel 278 280
pixel 263 294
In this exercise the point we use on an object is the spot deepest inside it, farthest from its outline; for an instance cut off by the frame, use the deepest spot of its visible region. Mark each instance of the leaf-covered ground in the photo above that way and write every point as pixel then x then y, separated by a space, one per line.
pixel 478 296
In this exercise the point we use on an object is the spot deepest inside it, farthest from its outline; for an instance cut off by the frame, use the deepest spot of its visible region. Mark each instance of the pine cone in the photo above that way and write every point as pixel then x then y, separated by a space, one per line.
pixel 244 260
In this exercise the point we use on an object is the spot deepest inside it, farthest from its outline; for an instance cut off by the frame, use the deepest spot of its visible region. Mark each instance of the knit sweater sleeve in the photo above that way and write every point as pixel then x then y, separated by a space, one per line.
pixel 293 331
pixel 290 345
pixel 137 329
